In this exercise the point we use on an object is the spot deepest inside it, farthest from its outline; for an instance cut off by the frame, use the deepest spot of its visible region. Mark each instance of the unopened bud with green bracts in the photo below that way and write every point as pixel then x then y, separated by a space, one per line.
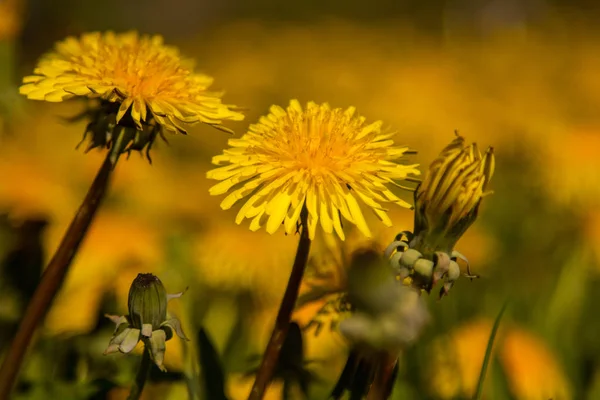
pixel 147 320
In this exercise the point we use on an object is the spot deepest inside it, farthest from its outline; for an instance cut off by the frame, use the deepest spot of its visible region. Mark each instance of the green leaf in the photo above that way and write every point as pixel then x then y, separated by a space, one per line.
pixel 213 375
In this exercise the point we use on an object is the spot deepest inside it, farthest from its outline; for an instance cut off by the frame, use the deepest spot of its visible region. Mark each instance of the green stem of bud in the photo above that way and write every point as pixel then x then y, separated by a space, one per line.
pixel 284 316
pixel 52 279
pixel 142 376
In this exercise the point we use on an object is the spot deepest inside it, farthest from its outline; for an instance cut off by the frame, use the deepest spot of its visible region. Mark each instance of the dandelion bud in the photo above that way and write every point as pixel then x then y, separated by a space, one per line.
pixel 446 204
pixel 147 320
pixel 424 268
pixel 447 201
pixel 147 303
pixel 409 257
pixel 453 271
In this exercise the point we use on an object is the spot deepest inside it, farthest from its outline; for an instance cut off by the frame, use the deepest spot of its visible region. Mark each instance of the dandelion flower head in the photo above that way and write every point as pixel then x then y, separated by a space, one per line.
pixel 322 158
pixel 136 72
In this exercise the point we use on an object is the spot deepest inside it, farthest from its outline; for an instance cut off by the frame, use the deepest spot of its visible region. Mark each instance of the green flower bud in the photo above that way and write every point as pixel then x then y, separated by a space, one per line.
pixel 424 269
pixel 409 257
pixel 147 303
pixel 453 271
pixel 147 320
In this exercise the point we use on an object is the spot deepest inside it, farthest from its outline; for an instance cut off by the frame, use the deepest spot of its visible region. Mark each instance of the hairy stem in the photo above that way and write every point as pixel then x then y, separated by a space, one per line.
pixel 52 279
pixel 284 315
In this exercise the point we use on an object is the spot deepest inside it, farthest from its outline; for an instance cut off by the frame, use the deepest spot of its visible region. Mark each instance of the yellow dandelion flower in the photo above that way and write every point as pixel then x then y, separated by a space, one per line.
pixel 141 83
pixel 322 158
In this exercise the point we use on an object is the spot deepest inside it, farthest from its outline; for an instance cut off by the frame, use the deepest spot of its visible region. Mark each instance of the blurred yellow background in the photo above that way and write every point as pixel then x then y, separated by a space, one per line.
pixel 525 82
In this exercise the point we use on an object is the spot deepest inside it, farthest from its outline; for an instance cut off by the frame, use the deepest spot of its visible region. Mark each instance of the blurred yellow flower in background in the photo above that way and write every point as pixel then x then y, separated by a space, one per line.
pixel 167 206
pixel 578 154
pixel 117 248
pixel 231 258
pixel 532 371
pixel 30 189
pixel 319 157
pixel 11 18
pixel 138 73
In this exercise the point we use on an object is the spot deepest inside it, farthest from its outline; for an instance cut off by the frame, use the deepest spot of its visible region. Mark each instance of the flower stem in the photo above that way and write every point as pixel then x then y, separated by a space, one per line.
pixel 52 279
pixel 284 315
pixel 382 383
pixel 142 376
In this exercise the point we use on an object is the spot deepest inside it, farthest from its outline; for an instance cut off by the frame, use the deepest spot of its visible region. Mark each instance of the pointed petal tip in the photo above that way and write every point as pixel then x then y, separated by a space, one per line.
pixel 176 295
pixel 111 349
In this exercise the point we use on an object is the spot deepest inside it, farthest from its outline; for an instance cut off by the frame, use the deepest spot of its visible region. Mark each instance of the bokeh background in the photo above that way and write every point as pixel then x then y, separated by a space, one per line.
pixel 522 76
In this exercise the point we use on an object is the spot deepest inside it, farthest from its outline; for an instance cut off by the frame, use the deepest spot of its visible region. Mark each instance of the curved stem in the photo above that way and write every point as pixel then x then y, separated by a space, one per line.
pixel 141 376
pixel 52 279
pixel 284 315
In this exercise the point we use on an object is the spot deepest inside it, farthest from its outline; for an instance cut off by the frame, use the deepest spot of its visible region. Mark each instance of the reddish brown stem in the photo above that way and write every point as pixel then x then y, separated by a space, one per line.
pixel 382 382
pixel 284 316
pixel 52 279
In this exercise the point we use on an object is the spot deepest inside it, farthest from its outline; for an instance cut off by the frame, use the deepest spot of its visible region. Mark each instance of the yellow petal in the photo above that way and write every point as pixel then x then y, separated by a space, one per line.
pixel 78 90
pixel 312 225
pixel 337 224
pixel 123 108
pixel 383 217
pixel 277 210
pixel 311 201
pixel 136 112
pixel 298 201
pixel 256 222
pixel 240 193
pixel 324 202
pixel 375 127
pixel 359 219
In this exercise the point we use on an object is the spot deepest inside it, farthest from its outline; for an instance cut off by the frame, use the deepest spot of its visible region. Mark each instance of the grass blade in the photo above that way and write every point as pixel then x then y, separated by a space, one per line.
pixel 212 370
pixel 488 354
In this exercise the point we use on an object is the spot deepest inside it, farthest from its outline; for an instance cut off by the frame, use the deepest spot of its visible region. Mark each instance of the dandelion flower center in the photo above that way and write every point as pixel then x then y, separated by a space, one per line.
pixel 141 67
pixel 318 157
